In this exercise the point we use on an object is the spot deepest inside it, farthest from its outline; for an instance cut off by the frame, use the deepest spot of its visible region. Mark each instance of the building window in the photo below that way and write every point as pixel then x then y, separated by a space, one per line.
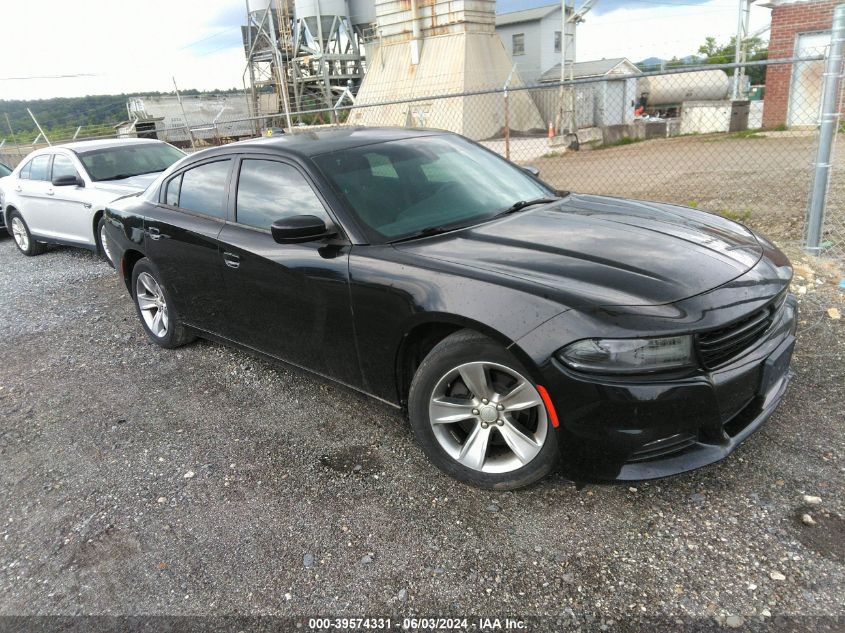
pixel 557 41
pixel 518 47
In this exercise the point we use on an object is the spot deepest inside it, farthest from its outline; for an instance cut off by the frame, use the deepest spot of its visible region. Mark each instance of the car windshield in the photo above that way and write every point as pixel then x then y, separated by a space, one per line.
pixel 117 163
pixel 4 171
pixel 408 187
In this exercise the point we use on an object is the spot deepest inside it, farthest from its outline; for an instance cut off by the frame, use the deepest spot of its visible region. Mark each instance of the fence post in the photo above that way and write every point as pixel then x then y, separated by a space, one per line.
pixel 827 131
pixel 507 114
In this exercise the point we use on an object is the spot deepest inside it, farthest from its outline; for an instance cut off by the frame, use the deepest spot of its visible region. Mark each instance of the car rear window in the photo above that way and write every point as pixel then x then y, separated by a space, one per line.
pixel 117 163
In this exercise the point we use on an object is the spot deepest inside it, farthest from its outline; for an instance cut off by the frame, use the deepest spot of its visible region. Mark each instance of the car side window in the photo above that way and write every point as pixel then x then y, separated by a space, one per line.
pixel 62 166
pixel 23 174
pixel 40 167
pixel 202 189
pixel 270 191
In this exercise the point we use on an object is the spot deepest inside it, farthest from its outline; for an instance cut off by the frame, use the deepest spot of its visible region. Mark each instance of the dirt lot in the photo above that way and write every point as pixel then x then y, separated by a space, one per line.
pixel 762 179
pixel 202 481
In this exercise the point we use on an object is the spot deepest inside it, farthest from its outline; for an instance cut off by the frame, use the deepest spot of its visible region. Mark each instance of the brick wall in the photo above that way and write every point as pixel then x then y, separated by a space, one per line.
pixel 787 21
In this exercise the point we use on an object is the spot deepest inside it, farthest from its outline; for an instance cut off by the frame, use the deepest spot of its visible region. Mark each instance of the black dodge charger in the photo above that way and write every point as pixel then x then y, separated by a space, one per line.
pixel 522 328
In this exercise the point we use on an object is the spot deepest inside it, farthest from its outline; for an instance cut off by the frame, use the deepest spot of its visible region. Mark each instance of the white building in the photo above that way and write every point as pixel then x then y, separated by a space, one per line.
pixel 533 39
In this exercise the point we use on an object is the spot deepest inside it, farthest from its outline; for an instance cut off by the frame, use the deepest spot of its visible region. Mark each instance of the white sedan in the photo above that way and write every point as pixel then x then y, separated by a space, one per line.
pixel 57 195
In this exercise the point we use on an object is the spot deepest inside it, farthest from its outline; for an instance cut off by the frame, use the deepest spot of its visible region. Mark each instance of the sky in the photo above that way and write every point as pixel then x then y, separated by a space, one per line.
pixel 106 47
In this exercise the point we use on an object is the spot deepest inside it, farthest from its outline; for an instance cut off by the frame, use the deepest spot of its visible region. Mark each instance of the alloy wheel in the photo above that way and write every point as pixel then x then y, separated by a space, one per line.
pixel 20 234
pixel 488 417
pixel 152 304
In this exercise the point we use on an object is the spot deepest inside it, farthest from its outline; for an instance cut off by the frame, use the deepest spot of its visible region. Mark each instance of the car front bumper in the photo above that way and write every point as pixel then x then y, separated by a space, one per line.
pixel 636 429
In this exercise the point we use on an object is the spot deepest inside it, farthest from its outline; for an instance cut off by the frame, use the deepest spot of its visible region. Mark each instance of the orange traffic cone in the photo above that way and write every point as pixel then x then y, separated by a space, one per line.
pixel 551 130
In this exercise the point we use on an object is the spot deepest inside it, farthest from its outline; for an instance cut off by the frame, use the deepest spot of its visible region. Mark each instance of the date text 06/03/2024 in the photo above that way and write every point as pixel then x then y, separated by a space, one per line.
pixel 482 624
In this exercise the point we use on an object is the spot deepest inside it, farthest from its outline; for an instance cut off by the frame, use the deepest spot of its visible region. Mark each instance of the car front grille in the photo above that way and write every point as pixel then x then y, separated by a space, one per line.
pixel 719 346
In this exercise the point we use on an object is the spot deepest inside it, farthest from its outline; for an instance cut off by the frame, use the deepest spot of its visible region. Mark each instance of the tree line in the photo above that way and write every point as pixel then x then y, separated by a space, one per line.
pixel 61 116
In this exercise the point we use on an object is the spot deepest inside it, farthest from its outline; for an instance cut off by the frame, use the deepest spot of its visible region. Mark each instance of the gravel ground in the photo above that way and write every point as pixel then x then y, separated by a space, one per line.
pixel 203 481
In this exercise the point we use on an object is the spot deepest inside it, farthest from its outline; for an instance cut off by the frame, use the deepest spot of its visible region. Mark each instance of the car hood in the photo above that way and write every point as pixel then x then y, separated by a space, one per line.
pixel 599 251
pixel 126 185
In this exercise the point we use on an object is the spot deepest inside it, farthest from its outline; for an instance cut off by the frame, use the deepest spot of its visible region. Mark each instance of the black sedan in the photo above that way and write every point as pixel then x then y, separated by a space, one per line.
pixel 520 327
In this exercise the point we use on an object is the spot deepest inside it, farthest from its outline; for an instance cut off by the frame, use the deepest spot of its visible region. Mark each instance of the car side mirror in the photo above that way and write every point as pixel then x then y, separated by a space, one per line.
pixel 300 228
pixel 68 181
pixel 532 170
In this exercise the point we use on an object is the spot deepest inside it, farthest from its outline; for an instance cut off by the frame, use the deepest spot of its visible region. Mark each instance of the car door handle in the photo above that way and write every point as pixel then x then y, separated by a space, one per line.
pixel 154 233
pixel 18 189
pixel 232 260
pixel 50 192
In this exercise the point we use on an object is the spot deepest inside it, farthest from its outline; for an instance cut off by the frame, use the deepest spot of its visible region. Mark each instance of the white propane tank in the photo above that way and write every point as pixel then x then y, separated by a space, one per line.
pixel 700 85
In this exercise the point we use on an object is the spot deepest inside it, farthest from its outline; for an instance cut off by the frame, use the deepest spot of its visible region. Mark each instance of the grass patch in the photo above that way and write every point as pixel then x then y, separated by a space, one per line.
pixel 736 216
pixel 744 134
pixel 625 140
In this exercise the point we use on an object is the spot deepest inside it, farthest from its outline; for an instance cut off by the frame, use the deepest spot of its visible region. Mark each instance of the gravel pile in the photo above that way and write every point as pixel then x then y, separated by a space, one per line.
pixel 203 481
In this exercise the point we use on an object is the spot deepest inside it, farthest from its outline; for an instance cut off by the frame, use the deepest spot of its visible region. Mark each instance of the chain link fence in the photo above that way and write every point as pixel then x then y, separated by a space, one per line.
pixel 683 135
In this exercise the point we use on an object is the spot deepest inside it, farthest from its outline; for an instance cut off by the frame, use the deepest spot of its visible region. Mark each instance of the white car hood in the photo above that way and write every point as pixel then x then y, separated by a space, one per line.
pixel 126 185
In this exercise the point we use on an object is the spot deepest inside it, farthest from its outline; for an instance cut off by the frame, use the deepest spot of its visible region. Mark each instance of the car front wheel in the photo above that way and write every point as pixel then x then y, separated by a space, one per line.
pixel 155 308
pixel 479 417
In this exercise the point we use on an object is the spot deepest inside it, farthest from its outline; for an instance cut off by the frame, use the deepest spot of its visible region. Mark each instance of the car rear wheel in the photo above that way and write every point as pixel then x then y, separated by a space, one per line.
pixel 23 238
pixel 479 417
pixel 155 308
pixel 103 242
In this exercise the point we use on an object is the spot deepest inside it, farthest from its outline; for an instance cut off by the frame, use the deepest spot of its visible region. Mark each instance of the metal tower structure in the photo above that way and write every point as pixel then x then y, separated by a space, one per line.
pixel 326 57
pixel 741 46
pixel 567 113
pixel 265 59
pixel 305 52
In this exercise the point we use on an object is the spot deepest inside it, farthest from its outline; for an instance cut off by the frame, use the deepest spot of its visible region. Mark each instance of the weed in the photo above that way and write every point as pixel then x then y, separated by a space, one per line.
pixel 736 216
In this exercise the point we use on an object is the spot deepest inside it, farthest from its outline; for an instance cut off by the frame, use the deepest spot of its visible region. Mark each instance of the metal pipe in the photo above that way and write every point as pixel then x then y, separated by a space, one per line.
pixel 185 116
pixel 39 128
pixel 415 34
pixel 14 138
pixel 827 131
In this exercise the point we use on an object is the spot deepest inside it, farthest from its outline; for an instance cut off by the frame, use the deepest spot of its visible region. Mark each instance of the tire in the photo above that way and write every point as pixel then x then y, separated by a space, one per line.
pixel 102 243
pixel 492 441
pixel 23 238
pixel 155 307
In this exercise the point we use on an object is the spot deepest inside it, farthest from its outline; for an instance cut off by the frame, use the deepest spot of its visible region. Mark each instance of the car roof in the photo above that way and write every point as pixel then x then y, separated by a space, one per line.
pixel 86 146
pixel 312 143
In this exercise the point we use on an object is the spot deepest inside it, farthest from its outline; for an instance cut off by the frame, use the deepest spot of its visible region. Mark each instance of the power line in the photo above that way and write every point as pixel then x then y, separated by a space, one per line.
pixel 72 76
pixel 210 37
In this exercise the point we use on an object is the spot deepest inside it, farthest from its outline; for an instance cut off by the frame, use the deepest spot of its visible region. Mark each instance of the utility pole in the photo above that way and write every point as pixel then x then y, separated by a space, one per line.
pixel 827 131
pixel 39 127
pixel 12 132
pixel 741 45
pixel 184 116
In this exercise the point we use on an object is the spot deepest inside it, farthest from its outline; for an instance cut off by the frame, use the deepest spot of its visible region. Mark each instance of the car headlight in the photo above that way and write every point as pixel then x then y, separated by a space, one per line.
pixel 626 356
